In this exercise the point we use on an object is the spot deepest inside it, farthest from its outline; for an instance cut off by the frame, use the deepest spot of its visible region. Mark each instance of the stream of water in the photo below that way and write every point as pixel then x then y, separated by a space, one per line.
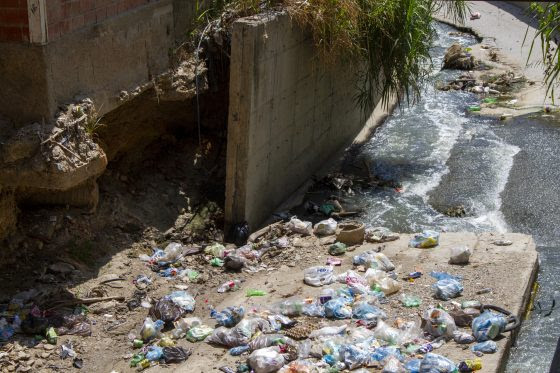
pixel 505 173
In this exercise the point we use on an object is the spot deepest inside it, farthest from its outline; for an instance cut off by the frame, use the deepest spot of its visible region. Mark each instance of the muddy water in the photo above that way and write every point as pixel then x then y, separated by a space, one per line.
pixel 506 174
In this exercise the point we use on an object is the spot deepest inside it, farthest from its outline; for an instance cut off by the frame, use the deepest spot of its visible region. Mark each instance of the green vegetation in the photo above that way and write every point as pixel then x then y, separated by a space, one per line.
pixel 388 41
pixel 548 17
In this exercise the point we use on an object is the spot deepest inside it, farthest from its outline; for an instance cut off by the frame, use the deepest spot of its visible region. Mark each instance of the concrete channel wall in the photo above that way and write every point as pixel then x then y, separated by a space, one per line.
pixel 288 115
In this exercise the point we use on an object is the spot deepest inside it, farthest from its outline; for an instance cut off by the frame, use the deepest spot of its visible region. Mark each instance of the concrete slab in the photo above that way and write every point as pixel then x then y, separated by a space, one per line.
pixel 508 270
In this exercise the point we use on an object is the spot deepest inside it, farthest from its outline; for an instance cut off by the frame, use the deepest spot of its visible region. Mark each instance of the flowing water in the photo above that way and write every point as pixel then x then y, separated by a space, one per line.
pixel 506 174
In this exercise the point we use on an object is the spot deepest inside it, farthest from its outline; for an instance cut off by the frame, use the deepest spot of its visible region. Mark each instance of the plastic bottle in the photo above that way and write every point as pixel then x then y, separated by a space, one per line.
pixel 229 286
pixel 151 329
pixel 474 108
pixel 228 317
pixel 256 293
pixel 236 351
pixel 136 359
pixel 410 300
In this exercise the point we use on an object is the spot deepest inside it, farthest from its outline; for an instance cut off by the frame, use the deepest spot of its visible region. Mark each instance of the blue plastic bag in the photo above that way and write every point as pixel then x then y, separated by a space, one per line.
pixel 384 352
pixel 353 356
pixel 365 311
pixel 413 366
pixel 236 351
pixel 338 308
pixel 488 326
pixel 228 317
pixel 488 347
pixel 444 276
pixel 437 363
pixel 155 353
pixel 447 288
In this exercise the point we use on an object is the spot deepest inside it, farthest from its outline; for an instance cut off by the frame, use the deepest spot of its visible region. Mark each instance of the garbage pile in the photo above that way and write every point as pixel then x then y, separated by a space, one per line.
pixel 345 327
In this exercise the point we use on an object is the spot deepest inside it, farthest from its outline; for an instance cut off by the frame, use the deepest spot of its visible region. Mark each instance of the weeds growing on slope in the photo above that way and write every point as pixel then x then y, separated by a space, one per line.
pixel 388 41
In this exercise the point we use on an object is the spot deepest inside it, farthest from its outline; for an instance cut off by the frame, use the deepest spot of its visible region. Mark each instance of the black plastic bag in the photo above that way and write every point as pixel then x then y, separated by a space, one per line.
pixel 174 355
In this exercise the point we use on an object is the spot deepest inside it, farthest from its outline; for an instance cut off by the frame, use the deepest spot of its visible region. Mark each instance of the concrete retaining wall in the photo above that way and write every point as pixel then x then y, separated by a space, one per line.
pixel 288 114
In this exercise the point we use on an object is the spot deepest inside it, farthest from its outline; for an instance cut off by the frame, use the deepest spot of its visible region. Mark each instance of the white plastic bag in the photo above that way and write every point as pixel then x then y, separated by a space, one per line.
pixel 385 283
pixel 460 255
pixel 438 323
pixel 318 276
pixel 299 226
pixel 172 253
pixel 325 227
pixel 388 334
pixel 266 360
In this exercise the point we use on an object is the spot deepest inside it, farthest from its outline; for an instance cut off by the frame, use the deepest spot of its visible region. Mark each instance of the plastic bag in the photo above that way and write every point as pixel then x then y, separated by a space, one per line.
pixel 248 253
pixel 228 317
pixel 216 250
pixel 425 240
pixel 353 356
pixel 325 227
pixel 172 253
pixel 278 322
pixel 438 323
pixel 266 360
pixel 338 308
pixel 382 282
pixel 488 347
pixel 337 248
pixel 413 366
pixel 154 353
pixel 444 276
pixel 199 333
pixel 151 329
pixel 175 355
pixel 388 334
pixel 437 363
pixel 173 306
pixel 382 353
pixel 299 366
pixel 184 325
pixel 318 276
pixel 298 226
pixel 239 335
pixel 409 300
pixel 393 365
pixel 460 255
pixel 380 234
pixel 267 340
pixel 447 288
pixel 488 326
pixel 328 331
pixel 289 307
pixel 374 260
pixel 367 312
pixel 463 338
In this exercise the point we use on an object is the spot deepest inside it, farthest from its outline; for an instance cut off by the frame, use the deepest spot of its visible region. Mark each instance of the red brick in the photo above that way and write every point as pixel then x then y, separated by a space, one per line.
pixel 25 33
pixel 90 18
pixel 112 10
pixel 77 22
pixel 11 33
pixel 66 10
pixel 100 14
pixel 13 17
pixel 76 8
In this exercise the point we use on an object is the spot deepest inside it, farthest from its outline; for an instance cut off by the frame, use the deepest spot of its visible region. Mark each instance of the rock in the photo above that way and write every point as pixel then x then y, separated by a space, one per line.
pixel 233 263
pixel 103 307
pixel 49 347
pixel 456 58
pixel 61 267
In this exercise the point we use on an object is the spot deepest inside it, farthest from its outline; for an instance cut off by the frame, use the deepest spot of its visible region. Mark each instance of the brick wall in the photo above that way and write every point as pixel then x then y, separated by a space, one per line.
pixel 14 24
pixel 64 16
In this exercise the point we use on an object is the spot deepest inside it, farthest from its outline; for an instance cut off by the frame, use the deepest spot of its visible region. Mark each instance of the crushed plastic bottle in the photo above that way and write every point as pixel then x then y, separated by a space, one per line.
pixel 233 285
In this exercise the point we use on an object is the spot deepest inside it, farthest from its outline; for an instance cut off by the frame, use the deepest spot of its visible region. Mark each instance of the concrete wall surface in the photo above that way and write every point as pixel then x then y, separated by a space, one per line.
pixel 288 114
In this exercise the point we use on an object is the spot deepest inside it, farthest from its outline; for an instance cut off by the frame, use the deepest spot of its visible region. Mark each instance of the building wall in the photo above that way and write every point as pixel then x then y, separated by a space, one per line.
pixel 64 16
pixel 126 44
pixel 14 22
pixel 288 114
